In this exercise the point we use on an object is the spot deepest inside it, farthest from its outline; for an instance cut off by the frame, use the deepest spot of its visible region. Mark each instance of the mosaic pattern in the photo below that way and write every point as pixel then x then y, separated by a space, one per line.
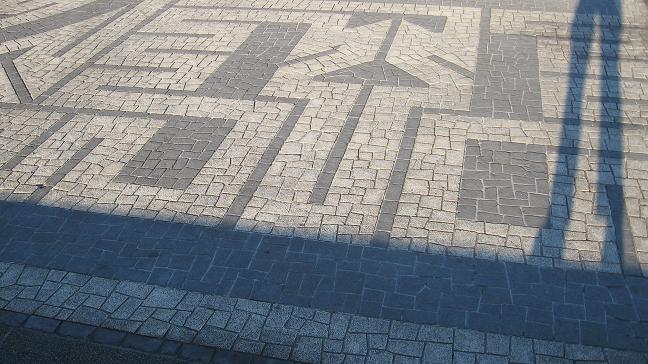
pixel 504 183
pixel 191 325
pixel 473 134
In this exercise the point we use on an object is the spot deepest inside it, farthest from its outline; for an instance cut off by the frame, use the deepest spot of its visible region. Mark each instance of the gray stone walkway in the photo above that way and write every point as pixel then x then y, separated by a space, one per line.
pixel 329 181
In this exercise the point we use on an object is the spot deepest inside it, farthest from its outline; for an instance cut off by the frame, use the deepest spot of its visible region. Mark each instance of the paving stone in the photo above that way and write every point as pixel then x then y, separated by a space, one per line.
pixel 291 167
pixel 307 350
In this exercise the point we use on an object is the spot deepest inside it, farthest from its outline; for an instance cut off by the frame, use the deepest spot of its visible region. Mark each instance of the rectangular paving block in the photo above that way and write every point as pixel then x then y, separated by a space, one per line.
pixel 507 80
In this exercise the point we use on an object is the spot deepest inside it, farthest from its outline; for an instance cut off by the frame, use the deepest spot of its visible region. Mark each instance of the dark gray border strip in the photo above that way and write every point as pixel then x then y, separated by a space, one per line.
pixel 60 173
pixel 92 60
pixel 8 15
pixel 253 181
pixel 134 68
pixel 29 148
pixel 17 82
pixel 187 51
pixel 145 90
pixel 92 31
pixel 325 178
pixel 100 112
pixel 389 206
pixel 452 66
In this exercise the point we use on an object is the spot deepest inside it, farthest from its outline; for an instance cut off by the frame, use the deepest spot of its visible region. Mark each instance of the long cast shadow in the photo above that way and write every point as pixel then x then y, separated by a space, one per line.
pixel 607 14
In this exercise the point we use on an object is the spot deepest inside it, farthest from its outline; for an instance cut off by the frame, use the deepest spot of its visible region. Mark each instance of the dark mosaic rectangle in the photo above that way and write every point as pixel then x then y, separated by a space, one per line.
pixel 504 183
pixel 176 153
pixel 492 296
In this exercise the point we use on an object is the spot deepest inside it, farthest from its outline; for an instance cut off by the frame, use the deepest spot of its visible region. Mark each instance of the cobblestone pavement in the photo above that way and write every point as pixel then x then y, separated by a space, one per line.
pixel 328 181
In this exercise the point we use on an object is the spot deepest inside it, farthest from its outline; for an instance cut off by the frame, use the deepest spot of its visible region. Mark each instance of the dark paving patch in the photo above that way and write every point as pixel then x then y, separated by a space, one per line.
pixel 572 306
pixel 34 342
pixel 504 183
pixel 176 153
pixel 249 68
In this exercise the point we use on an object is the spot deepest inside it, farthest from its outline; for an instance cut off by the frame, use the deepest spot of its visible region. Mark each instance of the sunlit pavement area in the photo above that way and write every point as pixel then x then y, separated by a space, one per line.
pixel 319 181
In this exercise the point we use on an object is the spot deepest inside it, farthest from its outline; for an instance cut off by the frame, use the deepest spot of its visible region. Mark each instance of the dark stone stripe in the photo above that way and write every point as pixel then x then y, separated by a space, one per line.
pixel 609 154
pixel 99 112
pixel 325 178
pixel 573 306
pixel 381 55
pixel 253 181
pixel 29 148
pixel 120 40
pixel 397 180
pixel 174 34
pixel 135 68
pixel 592 76
pixel 579 23
pixel 617 100
pixel 575 40
pixel 17 82
pixel 622 233
pixel 187 51
pixel 146 90
pixel 223 21
pixel 92 31
pixel 452 66
pixel 62 19
pixel 60 173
